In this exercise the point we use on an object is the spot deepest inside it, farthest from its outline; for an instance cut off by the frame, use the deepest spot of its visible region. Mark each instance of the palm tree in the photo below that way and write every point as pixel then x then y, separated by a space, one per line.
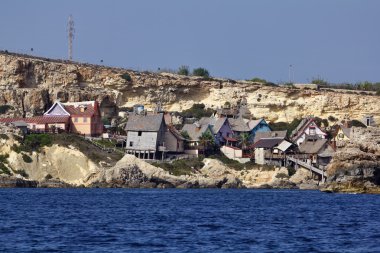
pixel 244 140
pixel 206 140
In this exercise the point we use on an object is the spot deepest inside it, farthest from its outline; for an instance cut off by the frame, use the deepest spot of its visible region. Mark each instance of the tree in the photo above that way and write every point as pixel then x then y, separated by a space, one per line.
pixel 258 80
pixel 183 70
pixel 244 139
pixel 206 140
pixel 201 72
pixel 319 81
pixel 185 135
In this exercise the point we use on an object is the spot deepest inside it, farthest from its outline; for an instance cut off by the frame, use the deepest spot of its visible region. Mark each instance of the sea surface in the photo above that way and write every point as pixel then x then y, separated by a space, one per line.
pixel 212 220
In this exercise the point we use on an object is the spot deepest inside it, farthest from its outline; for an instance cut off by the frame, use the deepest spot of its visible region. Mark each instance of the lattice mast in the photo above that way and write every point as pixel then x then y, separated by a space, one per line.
pixel 70 35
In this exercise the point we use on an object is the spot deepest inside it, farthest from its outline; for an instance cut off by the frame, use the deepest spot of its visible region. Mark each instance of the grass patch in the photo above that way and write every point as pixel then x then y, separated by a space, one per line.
pixel 181 167
pixel 5 108
pixel 291 171
pixel 106 143
pixel 233 164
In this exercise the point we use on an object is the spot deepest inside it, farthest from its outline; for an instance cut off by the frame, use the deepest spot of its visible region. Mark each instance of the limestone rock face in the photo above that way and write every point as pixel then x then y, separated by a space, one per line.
pixel 31 84
pixel 357 166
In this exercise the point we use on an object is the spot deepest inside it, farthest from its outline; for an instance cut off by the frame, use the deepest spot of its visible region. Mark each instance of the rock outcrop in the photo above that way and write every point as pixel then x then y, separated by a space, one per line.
pixel 356 168
pixel 31 84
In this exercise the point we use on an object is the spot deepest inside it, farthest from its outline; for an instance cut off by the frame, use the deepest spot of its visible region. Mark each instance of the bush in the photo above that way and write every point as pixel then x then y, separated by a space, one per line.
pixel 291 171
pixel 4 136
pixel 5 108
pixel 182 167
pixel 126 77
pixel 26 158
pixel 22 173
pixel 289 127
pixel 201 72
pixel 332 118
pixel 183 70
pixel 3 158
pixel 4 169
pixel 319 81
pixel 258 80
pixel 282 176
pixel 35 142
pixel 197 111
pixel 48 176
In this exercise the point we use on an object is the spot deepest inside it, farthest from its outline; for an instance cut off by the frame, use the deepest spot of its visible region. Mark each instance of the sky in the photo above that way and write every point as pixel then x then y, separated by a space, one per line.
pixel 278 40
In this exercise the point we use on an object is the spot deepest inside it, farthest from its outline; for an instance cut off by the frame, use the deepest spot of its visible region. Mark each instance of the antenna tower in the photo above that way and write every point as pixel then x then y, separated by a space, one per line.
pixel 70 35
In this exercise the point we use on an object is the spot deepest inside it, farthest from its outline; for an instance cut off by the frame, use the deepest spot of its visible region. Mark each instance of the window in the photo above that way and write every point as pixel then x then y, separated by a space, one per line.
pixel 312 131
pixel 131 143
pixel 75 119
pixel 139 133
pixel 84 119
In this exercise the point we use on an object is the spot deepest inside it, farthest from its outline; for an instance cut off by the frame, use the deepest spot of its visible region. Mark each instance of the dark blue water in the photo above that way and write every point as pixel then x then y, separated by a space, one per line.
pixel 124 220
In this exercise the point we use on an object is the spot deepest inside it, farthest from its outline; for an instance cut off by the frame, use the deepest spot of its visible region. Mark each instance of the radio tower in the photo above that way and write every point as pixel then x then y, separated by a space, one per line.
pixel 70 35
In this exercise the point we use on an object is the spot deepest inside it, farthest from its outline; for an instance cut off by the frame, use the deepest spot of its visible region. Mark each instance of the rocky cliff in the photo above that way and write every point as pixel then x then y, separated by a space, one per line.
pixel 31 84
pixel 356 167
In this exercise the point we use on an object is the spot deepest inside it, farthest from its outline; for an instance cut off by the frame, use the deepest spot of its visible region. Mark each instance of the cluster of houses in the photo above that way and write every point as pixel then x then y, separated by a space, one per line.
pixel 231 129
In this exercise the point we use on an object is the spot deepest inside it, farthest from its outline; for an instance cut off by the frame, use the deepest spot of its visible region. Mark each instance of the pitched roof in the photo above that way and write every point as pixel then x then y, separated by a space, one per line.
pixel 74 108
pixel 38 119
pixel 238 125
pixel 302 127
pixel 270 134
pixel 216 123
pixel 146 123
pixel 175 132
pixel 267 143
pixel 312 147
pixel 253 123
pixel 284 145
pixel 194 130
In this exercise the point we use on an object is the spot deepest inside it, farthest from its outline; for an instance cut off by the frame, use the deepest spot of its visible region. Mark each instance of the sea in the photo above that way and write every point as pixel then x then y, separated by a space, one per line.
pixel 191 220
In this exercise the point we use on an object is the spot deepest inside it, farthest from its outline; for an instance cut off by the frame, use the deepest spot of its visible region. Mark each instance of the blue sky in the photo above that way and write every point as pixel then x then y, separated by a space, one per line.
pixel 338 40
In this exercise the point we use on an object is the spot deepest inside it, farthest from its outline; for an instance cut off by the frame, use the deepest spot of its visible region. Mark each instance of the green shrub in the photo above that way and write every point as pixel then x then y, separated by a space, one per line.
pixel 201 72
pixel 233 164
pixel 126 77
pixel 197 111
pixel 4 136
pixel 16 148
pixel 26 158
pixel 3 158
pixel 22 173
pixel 258 80
pixel 36 141
pixel 183 70
pixel 4 169
pixel 181 167
pixel 5 108
pixel 282 176
pixel 332 118
pixel 48 176
pixel 291 171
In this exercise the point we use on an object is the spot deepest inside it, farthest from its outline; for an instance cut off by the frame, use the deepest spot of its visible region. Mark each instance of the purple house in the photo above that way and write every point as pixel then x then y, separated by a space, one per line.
pixel 221 128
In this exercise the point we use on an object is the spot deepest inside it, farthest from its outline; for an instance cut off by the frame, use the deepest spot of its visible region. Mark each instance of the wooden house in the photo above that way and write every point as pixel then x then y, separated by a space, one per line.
pixel 307 129
pixel 220 127
pixel 145 135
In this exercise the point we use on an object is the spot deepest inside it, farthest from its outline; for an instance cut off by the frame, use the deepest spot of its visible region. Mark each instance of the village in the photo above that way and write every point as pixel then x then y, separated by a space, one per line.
pixel 230 131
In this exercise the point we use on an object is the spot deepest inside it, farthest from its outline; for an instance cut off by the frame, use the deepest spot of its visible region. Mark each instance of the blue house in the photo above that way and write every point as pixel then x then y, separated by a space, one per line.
pixel 252 127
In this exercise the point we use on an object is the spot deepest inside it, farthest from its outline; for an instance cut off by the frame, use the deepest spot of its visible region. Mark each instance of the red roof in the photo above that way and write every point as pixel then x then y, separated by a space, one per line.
pixel 38 119
pixel 76 110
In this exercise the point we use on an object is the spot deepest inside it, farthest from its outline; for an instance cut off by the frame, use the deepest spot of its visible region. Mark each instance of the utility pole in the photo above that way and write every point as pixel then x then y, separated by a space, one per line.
pixel 70 35
pixel 290 73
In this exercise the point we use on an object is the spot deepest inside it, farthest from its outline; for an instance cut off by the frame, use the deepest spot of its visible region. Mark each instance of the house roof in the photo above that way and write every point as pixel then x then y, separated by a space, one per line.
pixel 38 120
pixel 194 130
pixel 312 147
pixel 284 145
pixel 253 123
pixel 72 109
pixel 270 134
pixel 302 127
pixel 175 133
pixel 146 123
pixel 267 143
pixel 238 125
pixel 215 123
